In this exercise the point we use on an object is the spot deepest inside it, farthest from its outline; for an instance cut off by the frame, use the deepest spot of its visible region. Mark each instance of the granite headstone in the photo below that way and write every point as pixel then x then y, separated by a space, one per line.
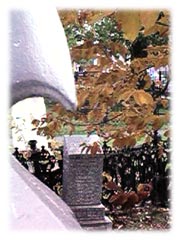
pixel 82 184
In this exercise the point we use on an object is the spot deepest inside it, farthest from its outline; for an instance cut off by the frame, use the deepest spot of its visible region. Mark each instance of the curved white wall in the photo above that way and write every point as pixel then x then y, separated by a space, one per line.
pixel 40 60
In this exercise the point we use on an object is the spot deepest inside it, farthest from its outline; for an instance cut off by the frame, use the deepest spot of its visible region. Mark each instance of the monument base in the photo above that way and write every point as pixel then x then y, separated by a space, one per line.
pixel 92 217
pixel 104 224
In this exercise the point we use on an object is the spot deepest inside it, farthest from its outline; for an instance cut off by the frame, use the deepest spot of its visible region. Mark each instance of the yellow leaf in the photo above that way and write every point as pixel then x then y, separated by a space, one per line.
pixel 117 48
pixel 165 103
pixel 148 82
pixel 148 18
pixel 141 97
pixel 130 114
pixel 107 90
pixel 117 143
pixel 120 142
pixel 125 95
pixel 102 78
pixel 130 21
pixel 95 115
pixel 104 60
pixel 52 125
pixel 163 30
pixel 140 124
pixel 82 97
pixel 158 123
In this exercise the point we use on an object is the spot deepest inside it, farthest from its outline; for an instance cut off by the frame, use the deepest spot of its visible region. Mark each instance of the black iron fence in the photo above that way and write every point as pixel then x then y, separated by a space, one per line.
pixel 130 166
pixel 147 163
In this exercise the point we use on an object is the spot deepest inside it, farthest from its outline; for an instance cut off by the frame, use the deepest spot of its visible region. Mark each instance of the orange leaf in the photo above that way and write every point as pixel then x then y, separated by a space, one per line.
pixel 119 142
pixel 163 30
pixel 148 82
pixel 131 141
pixel 130 21
pixel 141 97
pixel 35 122
pixel 125 95
pixel 107 90
pixel 148 18
pixel 95 148
pixel 164 102
pixel 158 123
pixel 82 96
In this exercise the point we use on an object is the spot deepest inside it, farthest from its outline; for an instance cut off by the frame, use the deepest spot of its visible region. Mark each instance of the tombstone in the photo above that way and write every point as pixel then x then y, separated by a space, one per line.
pixel 82 184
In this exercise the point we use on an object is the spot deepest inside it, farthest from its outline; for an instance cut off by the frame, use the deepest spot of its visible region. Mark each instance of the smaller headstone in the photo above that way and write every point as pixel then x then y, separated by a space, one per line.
pixel 82 184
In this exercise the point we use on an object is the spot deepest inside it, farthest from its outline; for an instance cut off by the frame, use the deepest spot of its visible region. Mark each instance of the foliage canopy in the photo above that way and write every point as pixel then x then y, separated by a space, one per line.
pixel 116 98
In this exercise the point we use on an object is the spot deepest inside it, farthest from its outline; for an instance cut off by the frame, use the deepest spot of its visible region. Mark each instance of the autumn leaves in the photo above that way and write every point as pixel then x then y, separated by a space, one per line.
pixel 115 97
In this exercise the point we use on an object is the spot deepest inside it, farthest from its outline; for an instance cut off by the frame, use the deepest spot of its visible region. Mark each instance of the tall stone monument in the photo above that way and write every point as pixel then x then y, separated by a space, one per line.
pixel 82 184
pixel 40 63
pixel 40 66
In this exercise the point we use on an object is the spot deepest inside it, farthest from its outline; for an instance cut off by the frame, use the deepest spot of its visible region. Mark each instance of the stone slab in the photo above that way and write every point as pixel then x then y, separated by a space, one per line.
pixel 88 213
pixel 33 206
pixel 82 180
pixel 97 225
